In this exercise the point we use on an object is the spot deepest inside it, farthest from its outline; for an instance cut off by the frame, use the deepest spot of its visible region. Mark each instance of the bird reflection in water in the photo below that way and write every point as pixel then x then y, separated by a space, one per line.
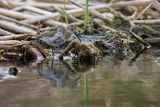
pixel 63 73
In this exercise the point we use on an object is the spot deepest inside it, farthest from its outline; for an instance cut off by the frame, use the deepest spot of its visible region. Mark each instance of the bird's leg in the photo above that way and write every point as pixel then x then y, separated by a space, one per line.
pixel 52 52
pixel 67 49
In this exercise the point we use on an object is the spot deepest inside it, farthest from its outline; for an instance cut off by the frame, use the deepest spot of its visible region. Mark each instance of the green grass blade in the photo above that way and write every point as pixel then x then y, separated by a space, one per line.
pixel 86 15
pixel 85 91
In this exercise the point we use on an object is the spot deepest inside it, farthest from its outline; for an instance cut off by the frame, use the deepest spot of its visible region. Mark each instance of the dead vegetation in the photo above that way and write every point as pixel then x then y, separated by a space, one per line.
pixel 131 26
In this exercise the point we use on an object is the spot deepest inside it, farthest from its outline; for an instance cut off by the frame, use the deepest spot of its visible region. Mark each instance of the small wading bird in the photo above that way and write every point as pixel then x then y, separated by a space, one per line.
pixel 61 38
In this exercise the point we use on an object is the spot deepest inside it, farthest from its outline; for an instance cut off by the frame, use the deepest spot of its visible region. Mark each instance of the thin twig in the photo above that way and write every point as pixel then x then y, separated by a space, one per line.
pixel 141 13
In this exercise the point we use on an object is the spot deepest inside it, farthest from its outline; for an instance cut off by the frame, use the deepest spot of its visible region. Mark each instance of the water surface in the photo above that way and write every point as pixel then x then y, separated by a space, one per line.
pixel 62 84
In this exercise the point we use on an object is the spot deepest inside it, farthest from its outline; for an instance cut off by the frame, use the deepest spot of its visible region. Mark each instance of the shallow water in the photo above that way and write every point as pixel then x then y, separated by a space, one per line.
pixel 62 84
